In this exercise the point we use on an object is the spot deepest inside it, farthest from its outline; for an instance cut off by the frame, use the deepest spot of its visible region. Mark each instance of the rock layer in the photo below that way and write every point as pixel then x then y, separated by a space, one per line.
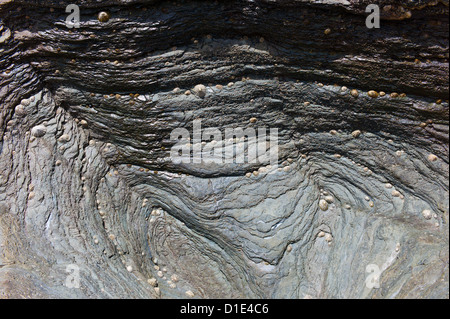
pixel 86 179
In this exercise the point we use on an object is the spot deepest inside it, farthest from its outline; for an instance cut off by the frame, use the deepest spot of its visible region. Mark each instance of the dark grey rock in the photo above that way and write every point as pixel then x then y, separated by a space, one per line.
pixel 98 193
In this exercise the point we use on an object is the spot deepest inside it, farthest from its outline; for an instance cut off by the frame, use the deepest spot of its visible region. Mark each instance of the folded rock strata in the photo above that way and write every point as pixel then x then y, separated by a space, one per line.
pixel 86 179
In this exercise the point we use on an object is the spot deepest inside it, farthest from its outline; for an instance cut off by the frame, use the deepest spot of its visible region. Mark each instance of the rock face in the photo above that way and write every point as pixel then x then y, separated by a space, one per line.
pixel 91 205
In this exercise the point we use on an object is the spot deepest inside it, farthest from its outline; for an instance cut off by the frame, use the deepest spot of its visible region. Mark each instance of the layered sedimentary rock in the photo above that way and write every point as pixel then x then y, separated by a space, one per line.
pixel 360 188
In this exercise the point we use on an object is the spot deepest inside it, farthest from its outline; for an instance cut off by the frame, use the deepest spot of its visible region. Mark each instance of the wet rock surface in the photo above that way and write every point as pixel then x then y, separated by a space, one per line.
pixel 86 179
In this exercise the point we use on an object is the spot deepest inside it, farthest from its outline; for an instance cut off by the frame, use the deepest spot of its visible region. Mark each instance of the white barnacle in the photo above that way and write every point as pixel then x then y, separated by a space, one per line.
pixel 262 170
pixel 329 199
pixel 152 282
pixel 200 90
pixel 323 205
pixel 427 214
pixel 432 158
pixel 396 193
pixel 38 131
pixel 20 110
pixel 64 138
